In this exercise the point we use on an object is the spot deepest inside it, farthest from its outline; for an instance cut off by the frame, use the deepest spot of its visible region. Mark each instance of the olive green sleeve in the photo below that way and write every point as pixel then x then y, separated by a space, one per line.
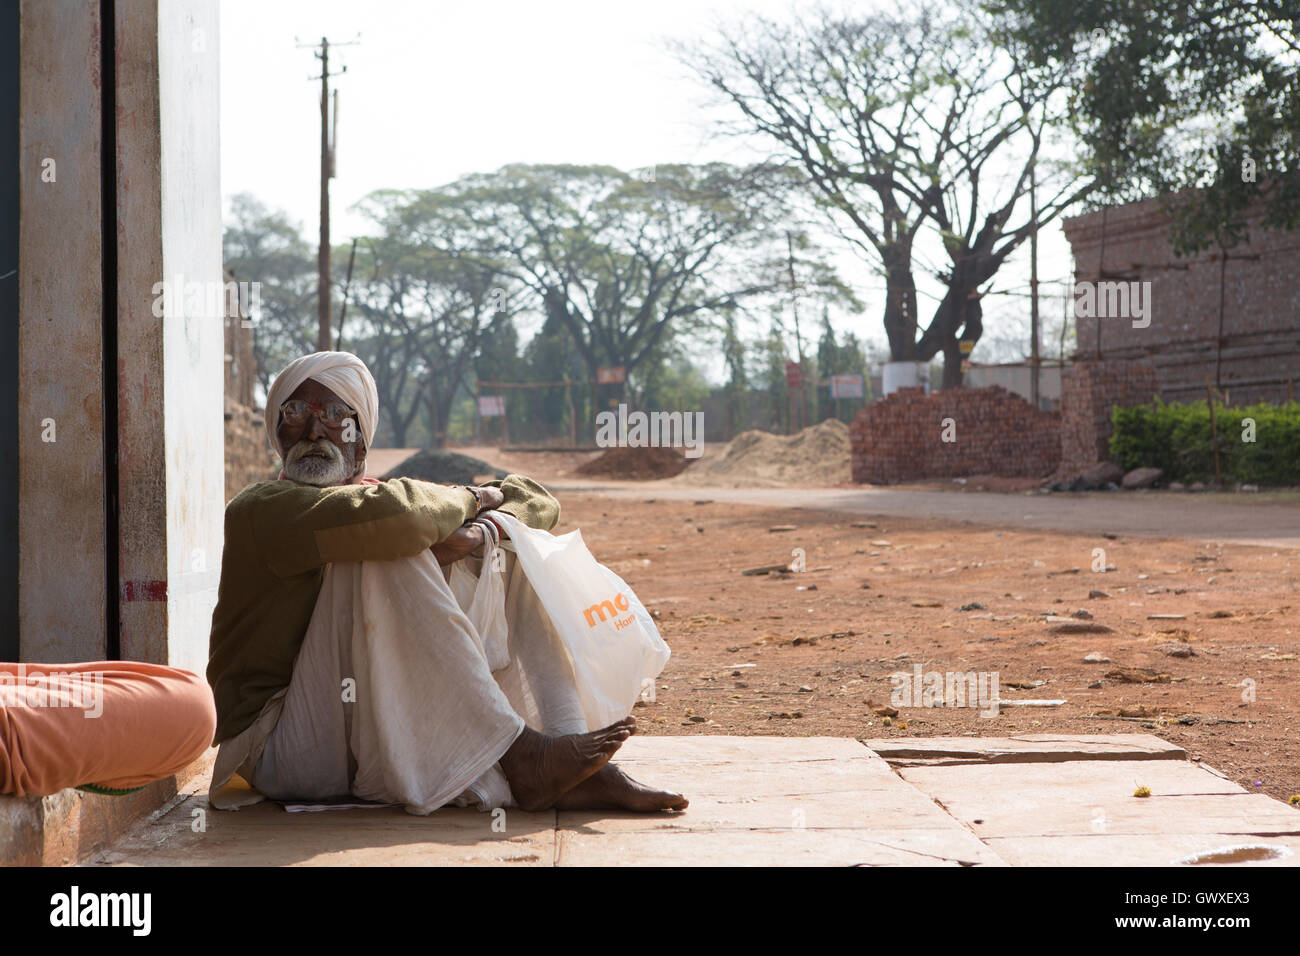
pixel 300 527
pixel 528 501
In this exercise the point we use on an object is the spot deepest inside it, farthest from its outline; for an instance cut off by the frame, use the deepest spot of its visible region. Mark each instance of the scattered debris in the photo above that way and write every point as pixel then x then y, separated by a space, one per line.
pixel 1030 703
pixel 1082 627
pixel 1137 675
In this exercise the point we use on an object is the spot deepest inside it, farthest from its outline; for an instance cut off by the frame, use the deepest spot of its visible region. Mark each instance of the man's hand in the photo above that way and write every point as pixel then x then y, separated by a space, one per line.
pixel 490 499
pixel 461 542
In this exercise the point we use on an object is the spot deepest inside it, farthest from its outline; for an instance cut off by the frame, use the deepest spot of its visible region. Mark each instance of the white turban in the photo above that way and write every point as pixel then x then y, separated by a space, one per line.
pixel 342 373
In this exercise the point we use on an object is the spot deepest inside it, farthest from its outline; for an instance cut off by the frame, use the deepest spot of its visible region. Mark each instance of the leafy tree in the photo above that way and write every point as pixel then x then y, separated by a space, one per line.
pixel 427 302
pixel 616 260
pixel 1174 96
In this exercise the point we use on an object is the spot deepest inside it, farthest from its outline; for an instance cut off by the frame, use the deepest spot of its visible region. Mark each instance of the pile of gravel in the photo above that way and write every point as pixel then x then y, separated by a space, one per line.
pixel 445 467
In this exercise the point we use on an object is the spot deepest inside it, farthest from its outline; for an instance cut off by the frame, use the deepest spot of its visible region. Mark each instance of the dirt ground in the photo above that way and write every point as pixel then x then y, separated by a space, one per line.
pixel 809 654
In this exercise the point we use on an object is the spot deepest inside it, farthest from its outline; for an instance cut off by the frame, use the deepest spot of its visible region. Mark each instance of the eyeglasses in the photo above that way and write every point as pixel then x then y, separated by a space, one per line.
pixel 295 412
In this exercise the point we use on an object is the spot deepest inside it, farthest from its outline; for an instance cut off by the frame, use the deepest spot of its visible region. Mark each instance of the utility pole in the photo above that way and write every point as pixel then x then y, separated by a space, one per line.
pixel 328 141
pixel 798 339
pixel 1033 287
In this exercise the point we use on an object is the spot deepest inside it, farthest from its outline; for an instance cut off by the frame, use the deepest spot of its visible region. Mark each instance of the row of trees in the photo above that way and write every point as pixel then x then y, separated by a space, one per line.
pixel 617 269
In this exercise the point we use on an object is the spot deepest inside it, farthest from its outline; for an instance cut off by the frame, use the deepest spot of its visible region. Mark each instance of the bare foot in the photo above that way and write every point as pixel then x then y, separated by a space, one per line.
pixel 542 768
pixel 610 788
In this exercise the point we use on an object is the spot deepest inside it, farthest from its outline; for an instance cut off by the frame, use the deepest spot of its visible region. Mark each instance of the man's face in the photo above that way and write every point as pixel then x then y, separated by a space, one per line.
pixel 314 450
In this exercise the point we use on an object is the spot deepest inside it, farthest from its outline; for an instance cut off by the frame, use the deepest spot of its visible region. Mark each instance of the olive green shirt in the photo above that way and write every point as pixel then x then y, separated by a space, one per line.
pixel 280 535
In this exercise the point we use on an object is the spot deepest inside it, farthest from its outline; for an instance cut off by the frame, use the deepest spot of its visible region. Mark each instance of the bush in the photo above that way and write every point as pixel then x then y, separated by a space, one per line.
pixel 1177 439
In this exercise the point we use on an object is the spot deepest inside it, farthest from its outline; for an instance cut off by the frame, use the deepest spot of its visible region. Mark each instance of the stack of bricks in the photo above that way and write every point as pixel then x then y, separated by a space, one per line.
pixel 953 434
pixel 1089 391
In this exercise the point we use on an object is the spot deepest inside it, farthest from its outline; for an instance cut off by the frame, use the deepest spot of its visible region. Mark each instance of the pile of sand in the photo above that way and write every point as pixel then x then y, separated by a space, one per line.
pixel 445 467
pixel 815 456
pixel 635 464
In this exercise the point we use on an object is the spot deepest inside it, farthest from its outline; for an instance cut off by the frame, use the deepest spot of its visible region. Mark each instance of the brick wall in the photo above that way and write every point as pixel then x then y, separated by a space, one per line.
pixel 1089 390
pixel 900 438
pixel 1254 355
pixel 248 456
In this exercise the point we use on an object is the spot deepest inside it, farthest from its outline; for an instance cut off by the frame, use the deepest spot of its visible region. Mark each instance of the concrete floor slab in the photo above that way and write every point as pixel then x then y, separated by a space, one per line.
pixel 1163 849
pixel 1097 798
pixel 777 801
pixel 266 835
pixel 903 806
pixel 784 847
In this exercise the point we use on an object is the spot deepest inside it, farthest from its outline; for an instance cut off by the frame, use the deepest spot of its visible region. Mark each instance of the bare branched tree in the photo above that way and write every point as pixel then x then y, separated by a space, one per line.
pixel 902 122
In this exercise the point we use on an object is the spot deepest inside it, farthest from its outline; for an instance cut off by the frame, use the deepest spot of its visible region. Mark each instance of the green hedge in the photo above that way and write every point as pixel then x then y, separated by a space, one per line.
pixel 1177 439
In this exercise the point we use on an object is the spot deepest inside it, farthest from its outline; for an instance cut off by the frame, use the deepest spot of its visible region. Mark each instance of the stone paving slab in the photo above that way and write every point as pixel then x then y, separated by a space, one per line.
pixel 786 800
pixel 1092 797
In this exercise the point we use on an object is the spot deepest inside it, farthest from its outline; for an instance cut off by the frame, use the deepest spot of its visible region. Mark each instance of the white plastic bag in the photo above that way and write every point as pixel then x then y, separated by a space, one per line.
pixel 611 638
pixel 483 599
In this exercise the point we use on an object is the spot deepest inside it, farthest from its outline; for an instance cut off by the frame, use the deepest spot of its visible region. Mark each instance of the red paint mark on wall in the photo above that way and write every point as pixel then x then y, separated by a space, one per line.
pixel 144 591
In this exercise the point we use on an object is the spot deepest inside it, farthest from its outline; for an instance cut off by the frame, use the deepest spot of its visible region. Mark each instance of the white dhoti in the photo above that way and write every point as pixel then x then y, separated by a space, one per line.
pixel 392 698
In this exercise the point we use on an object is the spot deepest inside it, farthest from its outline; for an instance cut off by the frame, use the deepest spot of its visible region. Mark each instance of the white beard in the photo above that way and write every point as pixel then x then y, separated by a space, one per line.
pixel 314 470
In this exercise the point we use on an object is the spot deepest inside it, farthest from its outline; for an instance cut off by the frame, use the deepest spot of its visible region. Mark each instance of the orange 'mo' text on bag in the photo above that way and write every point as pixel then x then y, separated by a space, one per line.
pixel 615 607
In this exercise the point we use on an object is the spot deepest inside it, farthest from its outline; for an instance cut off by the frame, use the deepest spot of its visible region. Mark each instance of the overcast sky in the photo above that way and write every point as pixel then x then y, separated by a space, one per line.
pixel 436 90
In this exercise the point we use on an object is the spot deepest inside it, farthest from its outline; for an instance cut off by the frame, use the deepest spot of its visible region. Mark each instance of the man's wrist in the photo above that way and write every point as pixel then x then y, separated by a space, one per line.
pixel 487 517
